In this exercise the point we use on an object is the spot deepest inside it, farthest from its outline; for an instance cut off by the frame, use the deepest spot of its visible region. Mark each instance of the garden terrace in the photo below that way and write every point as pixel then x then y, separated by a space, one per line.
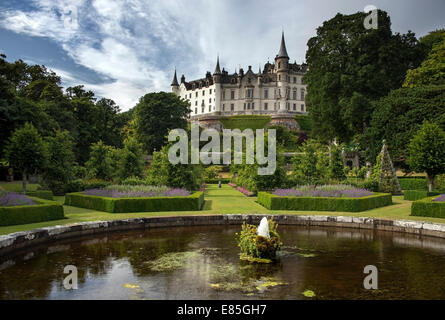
pixel 429 207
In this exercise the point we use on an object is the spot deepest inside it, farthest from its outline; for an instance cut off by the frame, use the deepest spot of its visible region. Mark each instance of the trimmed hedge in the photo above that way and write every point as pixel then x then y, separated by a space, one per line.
pixel 124 205
pixel 42 194
pixel 428 208
pixel 215 181
pixel 413 195
pixel 413 183
pixel 45 210
pixel 274 202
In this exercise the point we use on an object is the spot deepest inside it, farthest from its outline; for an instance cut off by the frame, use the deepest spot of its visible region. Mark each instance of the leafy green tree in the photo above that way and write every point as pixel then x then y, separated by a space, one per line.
pixel 58 171
pixel 432 38
pixel 336 167
pixel 26 152
pixel 163 173
pixel 431 71
pixel 310 164
pixel 349 67
pixel 130 163
pixel 157 113
pixel 101 163
pixel 427 151
pixel 398 116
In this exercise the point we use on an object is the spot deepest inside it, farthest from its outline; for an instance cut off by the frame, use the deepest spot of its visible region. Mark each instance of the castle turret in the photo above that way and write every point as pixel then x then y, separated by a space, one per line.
pixel 175 84
pixel 281 69
pixel 217 79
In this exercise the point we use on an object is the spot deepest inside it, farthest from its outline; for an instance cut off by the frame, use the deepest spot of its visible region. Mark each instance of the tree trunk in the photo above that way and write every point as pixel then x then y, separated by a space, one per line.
pixel 430 183
pixel 24 181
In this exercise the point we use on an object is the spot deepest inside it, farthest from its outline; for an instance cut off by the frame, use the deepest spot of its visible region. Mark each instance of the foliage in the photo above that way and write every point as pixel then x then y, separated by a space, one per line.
pixel 349 67
pixel 431 71
pixel 44 210
pixel 193 202
pixel 211 173
pixel 157 113
pixel 428 208
pixel 163 173
pixel 310 164
pixel 255 246
pixel 427 151
pixel 58 170
pixel 26 151
pixel 336 168
pixel 398 116
pixel 243 122
pixel 413 195
pixel 141 191
pixel 305 122
pixel 102 161
pixel 413 183
pixel 130 163
pixel 274 202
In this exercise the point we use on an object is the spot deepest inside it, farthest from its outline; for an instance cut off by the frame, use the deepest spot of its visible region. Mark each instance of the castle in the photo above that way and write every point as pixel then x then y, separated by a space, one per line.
pixel 277 91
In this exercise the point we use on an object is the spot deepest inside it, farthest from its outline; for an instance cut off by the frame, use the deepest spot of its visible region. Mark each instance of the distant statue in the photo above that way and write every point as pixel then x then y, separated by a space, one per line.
pixel 263 228
pixel 219 181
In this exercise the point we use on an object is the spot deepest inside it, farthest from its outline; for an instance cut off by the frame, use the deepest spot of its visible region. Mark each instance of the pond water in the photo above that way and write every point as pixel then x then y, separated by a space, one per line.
pixel 203 263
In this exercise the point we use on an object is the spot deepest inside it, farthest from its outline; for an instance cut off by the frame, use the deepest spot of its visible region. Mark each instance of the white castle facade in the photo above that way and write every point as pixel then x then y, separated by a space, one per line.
pixel 276 90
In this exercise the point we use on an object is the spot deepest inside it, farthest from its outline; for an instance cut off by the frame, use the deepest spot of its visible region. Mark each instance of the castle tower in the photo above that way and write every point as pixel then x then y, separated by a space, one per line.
pixel 281 69
pixel 175 84
pixel 217 81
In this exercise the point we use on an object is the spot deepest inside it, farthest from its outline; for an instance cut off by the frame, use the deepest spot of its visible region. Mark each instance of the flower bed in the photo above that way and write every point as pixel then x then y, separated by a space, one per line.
pixel 10 199
pixel 242 190
pixel 115 199
pixel 429 207
pixel 321 203
pixel 327 191
pixel 34 210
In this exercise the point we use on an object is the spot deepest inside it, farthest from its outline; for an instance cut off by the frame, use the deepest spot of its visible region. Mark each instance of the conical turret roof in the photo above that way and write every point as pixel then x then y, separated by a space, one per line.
pixel 175 80
pixel 217 69
pixel 283 52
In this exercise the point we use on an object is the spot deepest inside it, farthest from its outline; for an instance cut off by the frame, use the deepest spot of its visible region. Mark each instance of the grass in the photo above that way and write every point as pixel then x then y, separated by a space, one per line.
pixel 222 201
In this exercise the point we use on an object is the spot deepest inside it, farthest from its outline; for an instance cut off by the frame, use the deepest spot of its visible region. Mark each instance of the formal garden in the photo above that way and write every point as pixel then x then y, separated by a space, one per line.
pixel 69 158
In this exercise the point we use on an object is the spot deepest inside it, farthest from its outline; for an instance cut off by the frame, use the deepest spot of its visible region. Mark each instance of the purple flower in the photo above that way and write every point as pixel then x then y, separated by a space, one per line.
pixel 329 191
pixel 10 199
pixel 440 198
pixel 136 192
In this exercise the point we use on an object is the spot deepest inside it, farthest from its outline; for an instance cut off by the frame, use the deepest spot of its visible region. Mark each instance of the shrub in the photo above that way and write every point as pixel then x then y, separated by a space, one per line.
pixel 274 202
pixel 336 191
pixel 413 183
pixel 211 173
pixel 413 195
pixel 44 210
pixel 216 181
pixel 193 202
pixel 134 181
pixel 42 194
pixel 428 208
pixel 130 162
pixel 126 191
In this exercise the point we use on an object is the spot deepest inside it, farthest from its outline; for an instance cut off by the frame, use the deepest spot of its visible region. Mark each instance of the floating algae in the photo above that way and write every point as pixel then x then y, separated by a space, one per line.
pixel 172 261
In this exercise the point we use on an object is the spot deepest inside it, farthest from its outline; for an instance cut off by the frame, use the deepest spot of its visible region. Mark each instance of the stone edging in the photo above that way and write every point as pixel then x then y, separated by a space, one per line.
pixel 25 239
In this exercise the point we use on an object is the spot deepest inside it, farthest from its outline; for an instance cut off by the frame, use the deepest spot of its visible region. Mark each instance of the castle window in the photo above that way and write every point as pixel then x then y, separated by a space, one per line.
pixel 210 108
pixel 302 94
pixel 196 110
pixel 279 77
pixel 295 79
pixel 295 106
pixel 196 94
pixel 196 102
pixel 224 107
pixel 265 106
pixel 302 107
pixel 244 106
pixel 232 107
pixel 232 94
pixel 233 80
pixel 288 106
pixel 266 94
pixel 248 106
pixel 295 94
pixel 210 100
pixel 249 93
pixel 203 92
pixel 224 94
pixel 190 96
pixel 279 65
pixel 202 110
pixel 253 105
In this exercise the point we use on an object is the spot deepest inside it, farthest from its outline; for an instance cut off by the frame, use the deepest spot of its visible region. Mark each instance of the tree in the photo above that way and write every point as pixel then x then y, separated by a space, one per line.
pixel 336 167
pixel 431 71
pixel 432 38
pixel 101 163
pixel 130 163
pixel 427 151
pixel 58 171
pixel 26 152
pixel 349 67
pixel 398 116
pixel 310 164
pixel 155 114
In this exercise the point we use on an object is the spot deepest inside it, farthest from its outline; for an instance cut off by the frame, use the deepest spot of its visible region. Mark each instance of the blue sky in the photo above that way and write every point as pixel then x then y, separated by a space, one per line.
pixel 122 49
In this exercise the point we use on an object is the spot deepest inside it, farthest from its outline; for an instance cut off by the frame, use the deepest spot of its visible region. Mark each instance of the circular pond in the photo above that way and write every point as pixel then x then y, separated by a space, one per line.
pixel 203 263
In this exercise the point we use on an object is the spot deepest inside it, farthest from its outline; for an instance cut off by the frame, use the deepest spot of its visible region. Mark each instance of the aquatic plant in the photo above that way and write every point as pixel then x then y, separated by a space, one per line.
pixel 256 248
pixel 139 191
pixel 331 191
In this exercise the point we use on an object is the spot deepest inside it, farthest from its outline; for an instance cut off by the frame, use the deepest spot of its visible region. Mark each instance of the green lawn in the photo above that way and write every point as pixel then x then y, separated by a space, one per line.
pixel 221 201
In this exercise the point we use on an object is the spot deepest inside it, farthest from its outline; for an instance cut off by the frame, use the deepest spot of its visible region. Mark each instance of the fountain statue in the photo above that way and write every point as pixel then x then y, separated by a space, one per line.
pixel 263 228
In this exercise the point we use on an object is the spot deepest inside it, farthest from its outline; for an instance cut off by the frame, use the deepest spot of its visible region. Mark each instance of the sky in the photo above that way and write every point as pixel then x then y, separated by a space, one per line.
pixel 123 49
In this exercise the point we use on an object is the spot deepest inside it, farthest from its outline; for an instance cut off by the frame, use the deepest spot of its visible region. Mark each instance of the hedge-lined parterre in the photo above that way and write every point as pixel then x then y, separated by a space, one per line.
pixel 413 195
pixel 428 207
